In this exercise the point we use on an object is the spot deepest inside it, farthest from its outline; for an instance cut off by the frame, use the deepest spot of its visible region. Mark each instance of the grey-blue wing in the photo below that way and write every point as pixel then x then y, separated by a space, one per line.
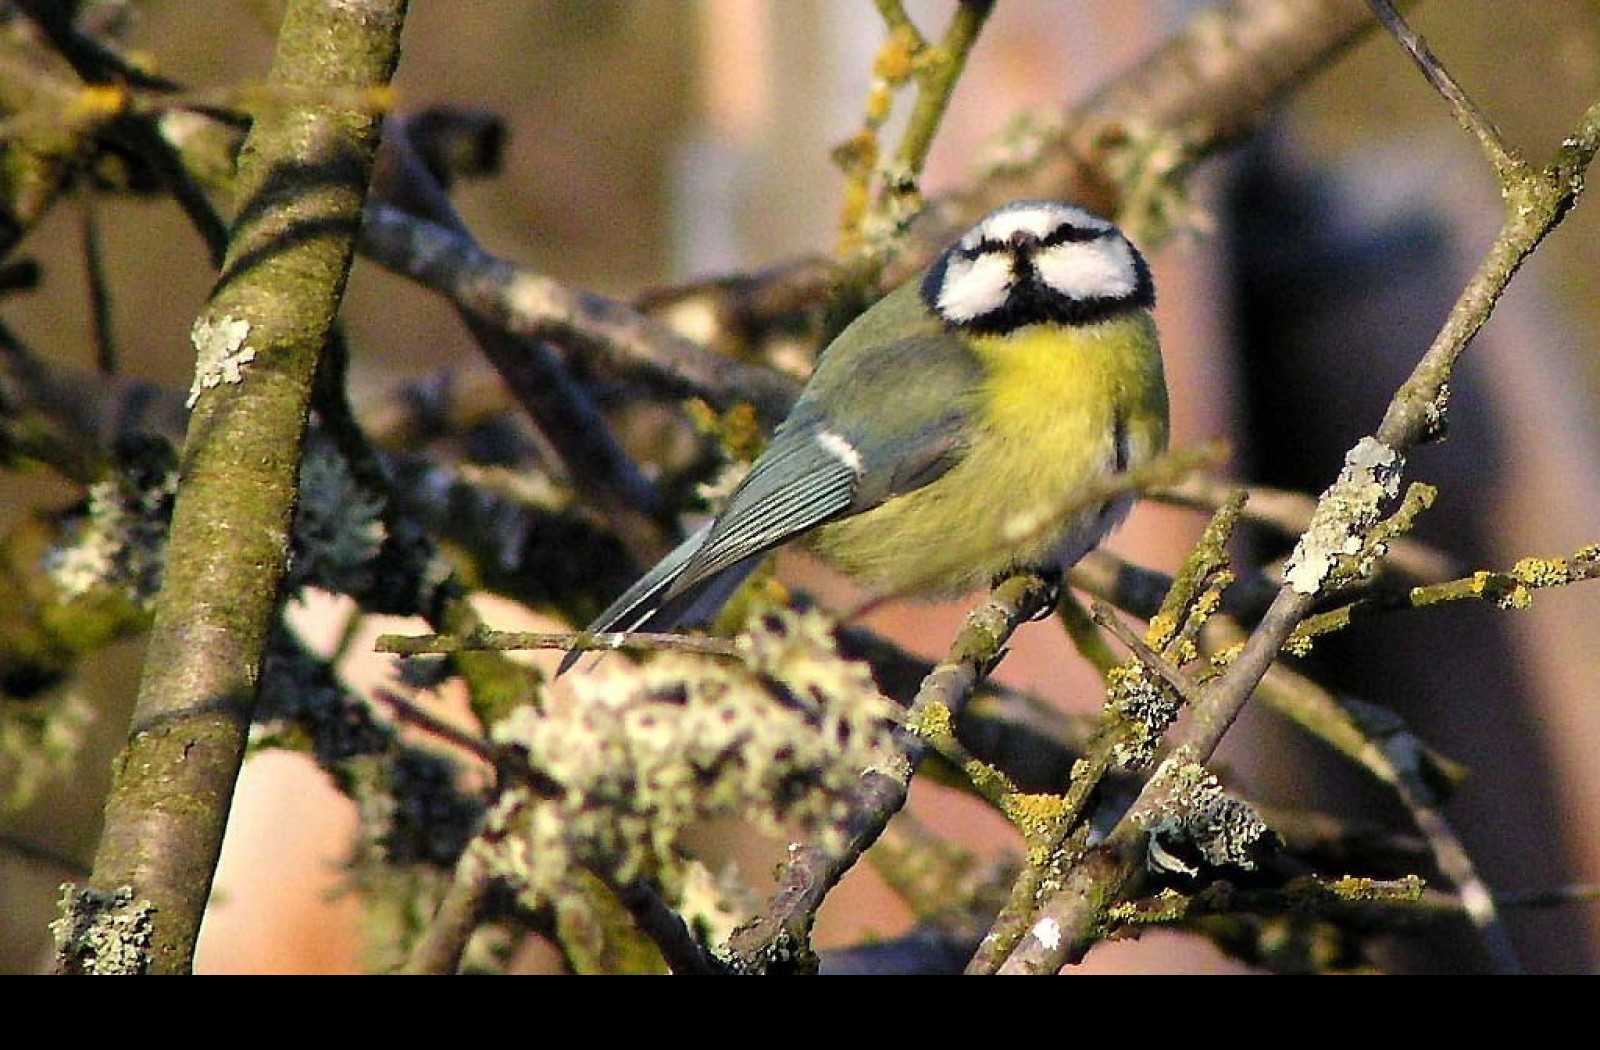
pixel 819 467
pixel 800 482
pixel 872 424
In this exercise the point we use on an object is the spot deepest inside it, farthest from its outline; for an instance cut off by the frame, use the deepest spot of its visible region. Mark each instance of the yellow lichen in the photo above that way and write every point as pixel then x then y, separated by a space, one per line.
pixel 101 101
pixel 896 58
pixel 1542 572
pixel 1037 817
pixel 1223 657
pixel 934 720
pixel 1298 644
pixel 1163 626
pixel 989 781
pixel 879 101
pixel 1517 597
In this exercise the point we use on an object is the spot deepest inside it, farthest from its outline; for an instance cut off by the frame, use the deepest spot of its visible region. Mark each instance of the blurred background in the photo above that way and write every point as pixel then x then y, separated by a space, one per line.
pixel 655 141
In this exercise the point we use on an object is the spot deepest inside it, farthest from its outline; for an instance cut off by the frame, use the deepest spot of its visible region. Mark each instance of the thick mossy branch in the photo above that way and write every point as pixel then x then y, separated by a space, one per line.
pixel 302 183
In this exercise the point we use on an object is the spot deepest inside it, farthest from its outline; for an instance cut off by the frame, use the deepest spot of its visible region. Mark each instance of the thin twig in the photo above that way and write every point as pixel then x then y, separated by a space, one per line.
pixel 778 939
pixel 1509 589
pixel 444 940
pixel 411 714
pixel 883 195
pixel 1288 513
pixel 105 347
pixel 1307 897
pixel 1455 863
pixel 1556 897
pixel 530 304
pixel 599 467
pixel 667 930
pixel 936 82
pixel 511 641
pixel 1507 164
pixel 1124 737
pixel 97 65
pixel 1107 617
pixel 18 848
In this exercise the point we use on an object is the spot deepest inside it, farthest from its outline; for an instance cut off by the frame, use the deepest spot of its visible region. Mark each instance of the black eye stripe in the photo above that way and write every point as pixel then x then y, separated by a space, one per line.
pixel 1069 234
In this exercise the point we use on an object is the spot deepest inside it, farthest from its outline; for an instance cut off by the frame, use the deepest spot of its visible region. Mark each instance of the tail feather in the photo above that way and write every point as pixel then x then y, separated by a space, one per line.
pixel 649 605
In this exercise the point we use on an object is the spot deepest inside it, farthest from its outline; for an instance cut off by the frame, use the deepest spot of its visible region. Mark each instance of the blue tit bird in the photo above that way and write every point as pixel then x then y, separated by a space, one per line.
pixel 945 434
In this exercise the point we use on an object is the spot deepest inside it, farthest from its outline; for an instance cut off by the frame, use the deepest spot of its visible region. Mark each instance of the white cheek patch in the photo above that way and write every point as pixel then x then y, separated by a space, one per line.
pixel 1100 269
pixel 974 287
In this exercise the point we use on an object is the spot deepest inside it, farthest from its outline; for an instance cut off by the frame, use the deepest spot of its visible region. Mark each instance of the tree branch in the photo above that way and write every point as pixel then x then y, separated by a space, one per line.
pixel 524 303
pixel 302 180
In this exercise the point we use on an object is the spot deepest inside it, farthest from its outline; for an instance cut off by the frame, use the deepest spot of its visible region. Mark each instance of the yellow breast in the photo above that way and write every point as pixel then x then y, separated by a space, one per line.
pixel 1062 406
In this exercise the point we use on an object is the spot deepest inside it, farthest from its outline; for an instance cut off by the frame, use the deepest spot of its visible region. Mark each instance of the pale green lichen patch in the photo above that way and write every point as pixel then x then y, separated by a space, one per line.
pixel 1147 161
pixel 103 933
pixel 338 526
pixel 1189 809
pixel 1144 711
pixel 1336 540
pixel 221 353
pixel 634 758
pixel 120 542
pixel 1020 144
pixel 714 903
pixel 41 740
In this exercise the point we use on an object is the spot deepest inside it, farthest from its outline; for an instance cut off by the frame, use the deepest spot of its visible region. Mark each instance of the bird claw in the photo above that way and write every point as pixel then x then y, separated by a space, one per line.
pixel 1052 597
